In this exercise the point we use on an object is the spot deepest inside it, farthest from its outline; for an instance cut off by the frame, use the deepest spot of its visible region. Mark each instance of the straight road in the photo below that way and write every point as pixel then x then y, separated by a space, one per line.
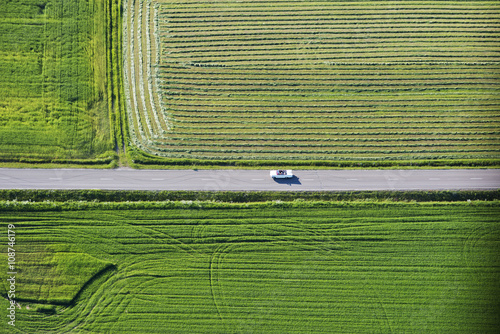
pixel 304 180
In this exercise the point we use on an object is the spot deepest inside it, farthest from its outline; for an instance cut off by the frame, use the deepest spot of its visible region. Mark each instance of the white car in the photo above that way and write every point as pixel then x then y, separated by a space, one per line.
pixel 281 174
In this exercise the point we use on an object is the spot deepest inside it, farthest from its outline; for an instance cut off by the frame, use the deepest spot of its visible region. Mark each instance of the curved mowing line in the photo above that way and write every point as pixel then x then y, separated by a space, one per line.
pixel 156 82
pixel 150 110
pixel 145 106
pixel 215 253
pixel 142 105
pixel 176 243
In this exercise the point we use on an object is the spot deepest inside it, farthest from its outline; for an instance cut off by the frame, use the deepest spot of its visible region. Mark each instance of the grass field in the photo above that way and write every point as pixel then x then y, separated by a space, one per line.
pixel 313 80
pixel 53 72
pixel 302 267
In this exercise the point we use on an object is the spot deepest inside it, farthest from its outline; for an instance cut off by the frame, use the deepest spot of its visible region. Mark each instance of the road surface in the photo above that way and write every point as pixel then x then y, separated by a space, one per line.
pixel 305 180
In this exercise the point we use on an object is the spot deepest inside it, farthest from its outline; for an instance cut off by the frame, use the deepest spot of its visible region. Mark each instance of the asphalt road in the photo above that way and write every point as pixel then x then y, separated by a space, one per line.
pixel 338 180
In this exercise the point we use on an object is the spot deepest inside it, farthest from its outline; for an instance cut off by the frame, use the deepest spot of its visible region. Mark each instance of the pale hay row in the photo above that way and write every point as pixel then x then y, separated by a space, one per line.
pixel 141 75
pixel 139 135
pixel 142 135
pixel 159 93
pixel 129 64
pixel 159 128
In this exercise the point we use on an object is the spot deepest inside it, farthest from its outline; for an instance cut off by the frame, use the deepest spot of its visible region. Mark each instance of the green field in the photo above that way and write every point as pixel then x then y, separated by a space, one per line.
pixel 297 267
pixel 53 81
pixel 313 80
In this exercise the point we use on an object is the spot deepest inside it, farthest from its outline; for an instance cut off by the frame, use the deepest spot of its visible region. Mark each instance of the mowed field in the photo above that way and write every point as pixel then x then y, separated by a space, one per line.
pixel 53 101
pixel 296 267
pixel 313 80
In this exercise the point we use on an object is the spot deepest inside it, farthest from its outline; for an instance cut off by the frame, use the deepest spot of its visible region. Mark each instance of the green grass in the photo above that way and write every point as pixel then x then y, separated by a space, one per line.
pixel 53 97
pixel 297 267
pixel 329 81
pixel 55 275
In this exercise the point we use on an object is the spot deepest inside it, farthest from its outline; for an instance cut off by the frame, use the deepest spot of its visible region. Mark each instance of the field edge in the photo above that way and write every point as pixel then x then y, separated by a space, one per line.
pixel 94 198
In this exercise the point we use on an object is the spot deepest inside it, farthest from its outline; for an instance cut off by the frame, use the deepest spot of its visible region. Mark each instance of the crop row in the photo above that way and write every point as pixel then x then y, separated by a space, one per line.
pixel 174 22
pixel 362 117
pixel 382 35
pixel 348 106
pixel 325 137
pixel 326 43
pixel 314 147
pixel 345 73
pixel 198 152
pixel 287 82
pixel 310 10
pixel 332 30
pixel 444 134
pixel 313 121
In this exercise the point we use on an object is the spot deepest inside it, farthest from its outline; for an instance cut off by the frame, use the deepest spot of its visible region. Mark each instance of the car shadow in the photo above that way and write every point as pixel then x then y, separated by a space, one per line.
pixel 293 180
